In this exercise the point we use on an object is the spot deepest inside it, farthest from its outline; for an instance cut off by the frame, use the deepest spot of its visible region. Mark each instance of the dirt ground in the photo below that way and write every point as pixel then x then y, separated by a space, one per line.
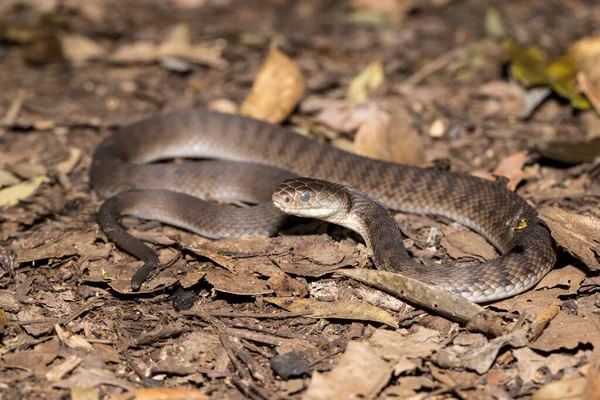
pixel 413 82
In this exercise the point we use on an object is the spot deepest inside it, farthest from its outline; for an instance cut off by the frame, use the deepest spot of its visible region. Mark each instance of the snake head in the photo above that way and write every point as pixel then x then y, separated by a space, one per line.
pixel 310 198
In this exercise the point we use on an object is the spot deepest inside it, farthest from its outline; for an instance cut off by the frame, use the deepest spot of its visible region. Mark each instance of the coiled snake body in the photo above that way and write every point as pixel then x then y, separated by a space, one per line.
pixel 256 156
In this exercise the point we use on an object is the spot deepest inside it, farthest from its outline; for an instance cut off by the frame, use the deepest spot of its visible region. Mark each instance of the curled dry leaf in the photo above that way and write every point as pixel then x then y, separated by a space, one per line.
pixel 578 234
pixel 67 166
pixel 359 373
pixel 369 80
pixel 276 91
pixel 390 137
pixel 336 309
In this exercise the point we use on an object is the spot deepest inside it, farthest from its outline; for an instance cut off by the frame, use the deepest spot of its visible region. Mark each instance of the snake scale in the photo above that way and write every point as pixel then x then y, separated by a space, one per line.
pixel 247 159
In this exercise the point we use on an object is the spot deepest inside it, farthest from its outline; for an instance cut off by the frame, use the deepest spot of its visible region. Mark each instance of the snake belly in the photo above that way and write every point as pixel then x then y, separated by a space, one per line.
pixel 255 156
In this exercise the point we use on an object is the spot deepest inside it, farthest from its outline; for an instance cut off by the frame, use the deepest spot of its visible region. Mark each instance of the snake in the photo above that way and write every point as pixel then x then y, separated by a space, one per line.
pixel 225 158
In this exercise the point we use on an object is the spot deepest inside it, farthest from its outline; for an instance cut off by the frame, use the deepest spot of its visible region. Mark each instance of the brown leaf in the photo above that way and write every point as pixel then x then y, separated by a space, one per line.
pixel 460 244
pixel 578 234
pixel 359 373
pixel 390 137
pixel 511 167
pixel 336 309
pixel 277 89
pixel 569 331
pixel 169 394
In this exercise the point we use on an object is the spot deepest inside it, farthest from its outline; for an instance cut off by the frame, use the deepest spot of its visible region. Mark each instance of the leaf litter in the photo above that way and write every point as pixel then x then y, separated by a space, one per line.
pixel 261 300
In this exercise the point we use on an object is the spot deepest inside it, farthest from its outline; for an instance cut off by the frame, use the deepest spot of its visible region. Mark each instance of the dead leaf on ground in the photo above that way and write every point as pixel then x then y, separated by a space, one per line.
pixel 390 137
pixel 578 234
pixel 430 297
pixel 464 243
pixel 342 115
pixel 479 359
pixel 394 10
pixel 250 277
pixel 572 151
pixel 368 81
pixel 511 167
pixel 169 394
pixel 567 331
pixel 79 49
pixel 65 246
pixel 276 91
pixel 529 362
pixel 336 309
pixel 401 347
pixel 36 359
pixel 13 194
pixel 359 373
pixel 501 99
pixel 177 45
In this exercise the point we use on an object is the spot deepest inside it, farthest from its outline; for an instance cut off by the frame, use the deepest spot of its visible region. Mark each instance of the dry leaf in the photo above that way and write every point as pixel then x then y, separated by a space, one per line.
pixel 72 340
pixel 276 91
pixel 390 137
pixel 430 297
pixel 67 166
pixel 12 195
pixel 169 394
pixel 78 49
pixel 336 309
pixel 511 167
pixel 461 244
pixel 359 373
pixel 394 10
pixel 590 88
pixel 578 234
pixel 369 80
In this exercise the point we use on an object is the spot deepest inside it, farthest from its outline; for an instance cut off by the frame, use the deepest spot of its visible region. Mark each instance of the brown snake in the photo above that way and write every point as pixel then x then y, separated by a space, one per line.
pixel 260 155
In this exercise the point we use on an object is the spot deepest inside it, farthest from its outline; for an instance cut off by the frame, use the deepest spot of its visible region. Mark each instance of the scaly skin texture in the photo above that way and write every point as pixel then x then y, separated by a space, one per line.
pixel 487 207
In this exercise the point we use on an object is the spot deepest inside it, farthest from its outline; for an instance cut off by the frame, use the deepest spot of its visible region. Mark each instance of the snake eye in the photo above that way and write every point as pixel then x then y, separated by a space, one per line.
pixel 305 197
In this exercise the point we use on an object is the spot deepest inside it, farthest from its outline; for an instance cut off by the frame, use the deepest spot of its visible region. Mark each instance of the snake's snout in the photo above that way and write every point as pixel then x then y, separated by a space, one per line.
pixel 307 197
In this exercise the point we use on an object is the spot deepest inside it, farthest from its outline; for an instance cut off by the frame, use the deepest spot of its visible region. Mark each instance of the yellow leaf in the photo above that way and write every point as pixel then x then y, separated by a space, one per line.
pixel 276 91
pixel 367 81
pixel 527 64
pixel 13 194
pixel 562 76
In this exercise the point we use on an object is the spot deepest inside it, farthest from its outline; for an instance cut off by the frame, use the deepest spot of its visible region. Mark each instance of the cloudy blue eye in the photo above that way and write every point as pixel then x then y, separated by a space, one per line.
pixel 305 197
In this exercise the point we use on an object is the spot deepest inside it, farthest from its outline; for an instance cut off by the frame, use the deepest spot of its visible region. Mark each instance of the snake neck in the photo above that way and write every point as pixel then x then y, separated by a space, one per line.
pixel 380 231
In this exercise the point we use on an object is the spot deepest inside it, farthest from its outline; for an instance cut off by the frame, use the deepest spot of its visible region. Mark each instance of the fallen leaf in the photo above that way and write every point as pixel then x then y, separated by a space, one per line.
pixel 341 115
pixel 12 195
pixel 369 80
pixel 67 166
pixel 177 45
pixel 390 137
pixel 479 359
pixel 430 297
pixel 359 373
pixel 578 234
pixel 79 49
pixel 511 167
pixel 394 10
pixel 276 91
pixel 463 243
pixel 590 88
pixel 336 309
pixel 169 394
pixel 567 331
pixel 72 340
